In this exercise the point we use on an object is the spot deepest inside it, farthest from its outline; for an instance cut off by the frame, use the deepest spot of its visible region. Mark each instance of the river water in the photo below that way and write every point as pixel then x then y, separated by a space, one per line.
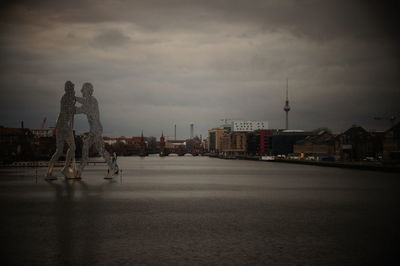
pixel 201 211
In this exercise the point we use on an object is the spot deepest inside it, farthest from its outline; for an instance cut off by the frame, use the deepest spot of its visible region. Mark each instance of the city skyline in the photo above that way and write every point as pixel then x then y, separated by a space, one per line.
pixel 155 64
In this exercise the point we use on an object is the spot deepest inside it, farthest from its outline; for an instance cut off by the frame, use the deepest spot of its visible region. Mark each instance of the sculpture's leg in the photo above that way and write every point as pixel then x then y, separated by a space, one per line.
pixel 54 158
pixel 70 158
pixel 87 142
pixel 101 149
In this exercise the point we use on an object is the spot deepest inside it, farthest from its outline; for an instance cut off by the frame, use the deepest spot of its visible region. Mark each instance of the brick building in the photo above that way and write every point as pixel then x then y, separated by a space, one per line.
pixel 234 144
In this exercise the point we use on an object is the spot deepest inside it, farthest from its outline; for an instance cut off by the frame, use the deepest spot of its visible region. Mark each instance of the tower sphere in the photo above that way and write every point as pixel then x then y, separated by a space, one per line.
pixel 286 108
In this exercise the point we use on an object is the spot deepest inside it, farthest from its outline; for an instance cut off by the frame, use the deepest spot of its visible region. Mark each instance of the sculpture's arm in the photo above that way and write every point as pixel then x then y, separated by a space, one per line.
pixel 79 110
pixel 80 100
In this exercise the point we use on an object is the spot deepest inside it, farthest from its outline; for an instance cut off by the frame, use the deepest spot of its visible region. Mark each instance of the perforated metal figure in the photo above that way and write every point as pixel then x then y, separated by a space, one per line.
pixel 90 107
pixel 64 134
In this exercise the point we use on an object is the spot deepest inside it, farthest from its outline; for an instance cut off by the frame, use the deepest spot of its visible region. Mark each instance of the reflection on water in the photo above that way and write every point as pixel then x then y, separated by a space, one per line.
pixel 198 210
pixel 78 213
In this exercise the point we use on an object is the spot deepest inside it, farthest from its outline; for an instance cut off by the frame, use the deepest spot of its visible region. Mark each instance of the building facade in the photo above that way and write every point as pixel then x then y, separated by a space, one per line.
pixel 234 144
pixel 258 142
pixel 282 142
pixel 248 126
pixel 356 144
pixel 214 139
pixel 391 144
pixel 320 144
pixel 16 144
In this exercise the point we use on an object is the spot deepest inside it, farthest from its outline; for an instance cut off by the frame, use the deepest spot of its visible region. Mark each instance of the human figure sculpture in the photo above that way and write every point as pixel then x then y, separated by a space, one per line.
pixel 90 108
pixel 64 134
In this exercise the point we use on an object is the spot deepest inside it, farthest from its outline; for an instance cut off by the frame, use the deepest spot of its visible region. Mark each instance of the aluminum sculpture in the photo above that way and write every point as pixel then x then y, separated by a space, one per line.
pixel 64 133
pixel 90 108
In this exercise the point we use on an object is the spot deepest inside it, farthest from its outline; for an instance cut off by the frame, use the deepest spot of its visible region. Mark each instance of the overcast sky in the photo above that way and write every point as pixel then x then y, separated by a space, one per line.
pixel 154 64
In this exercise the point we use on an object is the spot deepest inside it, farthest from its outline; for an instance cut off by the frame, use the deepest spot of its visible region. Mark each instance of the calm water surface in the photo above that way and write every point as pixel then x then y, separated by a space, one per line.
pixel 201 211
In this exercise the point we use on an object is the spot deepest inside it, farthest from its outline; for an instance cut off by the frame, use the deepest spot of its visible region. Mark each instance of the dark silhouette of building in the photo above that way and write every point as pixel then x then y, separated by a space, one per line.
pixel 16 144
pixel 356 144
pixel 391 144
pixel 320 143
pixel 258 142
pixel 126 146
pixel 282 142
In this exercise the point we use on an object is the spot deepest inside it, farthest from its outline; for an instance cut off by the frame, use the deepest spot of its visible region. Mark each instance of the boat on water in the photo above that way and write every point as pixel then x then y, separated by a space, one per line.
pixel 267 158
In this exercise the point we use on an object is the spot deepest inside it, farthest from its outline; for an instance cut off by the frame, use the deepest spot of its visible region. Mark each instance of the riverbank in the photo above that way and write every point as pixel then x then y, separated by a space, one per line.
pixel 374 166
pixel 35 164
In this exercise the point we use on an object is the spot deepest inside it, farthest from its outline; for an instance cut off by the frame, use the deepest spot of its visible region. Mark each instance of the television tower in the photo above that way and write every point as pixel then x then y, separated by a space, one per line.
pixel 287 107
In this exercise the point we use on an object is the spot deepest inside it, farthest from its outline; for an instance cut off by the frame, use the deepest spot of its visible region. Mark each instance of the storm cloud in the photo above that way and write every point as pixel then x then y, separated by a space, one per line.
pixel 159 63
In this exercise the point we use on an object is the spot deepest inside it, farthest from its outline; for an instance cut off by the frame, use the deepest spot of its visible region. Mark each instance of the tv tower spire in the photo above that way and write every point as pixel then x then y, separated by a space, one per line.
pixel 287 107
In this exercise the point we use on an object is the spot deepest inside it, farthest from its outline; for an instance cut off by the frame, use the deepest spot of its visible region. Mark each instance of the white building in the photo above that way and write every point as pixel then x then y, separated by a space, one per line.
pixel 244 126
pixel 48 132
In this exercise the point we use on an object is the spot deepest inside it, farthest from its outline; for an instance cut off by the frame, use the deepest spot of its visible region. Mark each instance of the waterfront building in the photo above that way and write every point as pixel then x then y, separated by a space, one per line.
pixel 123 140
pixel 174 144
pixel 258 142
pixel 44 132
pixel 320 144
pixel 356 144
pixel 193 143
pixel 126 146
pixel 204 144
pixel 214 139
pixel 16 144
pixel 391 144
pixel 281 142
pixel 248 126
pixel 234 144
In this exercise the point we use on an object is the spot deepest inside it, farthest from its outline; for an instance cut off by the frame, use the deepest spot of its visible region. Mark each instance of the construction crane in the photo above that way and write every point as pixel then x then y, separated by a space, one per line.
pixel 225 120
pixel 43 123
pixel 391 118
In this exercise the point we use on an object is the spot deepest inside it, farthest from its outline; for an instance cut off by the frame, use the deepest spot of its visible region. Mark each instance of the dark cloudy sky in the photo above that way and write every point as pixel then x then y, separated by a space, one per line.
pixel 154 64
